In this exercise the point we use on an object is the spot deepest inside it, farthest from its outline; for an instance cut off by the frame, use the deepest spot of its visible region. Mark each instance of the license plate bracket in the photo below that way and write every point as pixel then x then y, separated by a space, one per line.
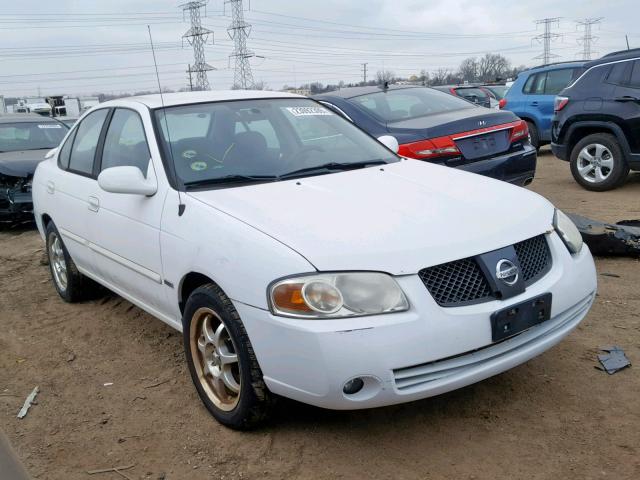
pixel 522 316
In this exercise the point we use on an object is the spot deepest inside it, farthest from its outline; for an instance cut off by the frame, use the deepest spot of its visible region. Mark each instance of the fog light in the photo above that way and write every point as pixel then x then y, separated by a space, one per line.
pixel 353 386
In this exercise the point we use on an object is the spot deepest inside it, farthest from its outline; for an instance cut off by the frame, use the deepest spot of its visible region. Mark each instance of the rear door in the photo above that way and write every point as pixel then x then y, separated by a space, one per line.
pixel 541 92
pixel 71 188
pixel 627 100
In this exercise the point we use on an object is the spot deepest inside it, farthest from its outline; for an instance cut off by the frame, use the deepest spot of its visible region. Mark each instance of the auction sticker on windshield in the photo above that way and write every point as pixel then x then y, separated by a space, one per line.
pixel 50 126
pixel 308 111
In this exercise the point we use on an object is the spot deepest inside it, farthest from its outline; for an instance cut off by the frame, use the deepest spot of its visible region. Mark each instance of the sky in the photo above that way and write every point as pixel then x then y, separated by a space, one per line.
pixel 85 47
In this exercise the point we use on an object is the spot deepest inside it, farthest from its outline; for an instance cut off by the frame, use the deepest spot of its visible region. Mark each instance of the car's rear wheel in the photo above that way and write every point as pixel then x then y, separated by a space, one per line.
pixel 221 360
pixel 70 284
pixel 534 137
pixel 597 162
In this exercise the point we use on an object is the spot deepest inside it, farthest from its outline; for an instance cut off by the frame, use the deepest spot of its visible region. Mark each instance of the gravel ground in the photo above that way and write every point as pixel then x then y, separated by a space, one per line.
pixel 554 417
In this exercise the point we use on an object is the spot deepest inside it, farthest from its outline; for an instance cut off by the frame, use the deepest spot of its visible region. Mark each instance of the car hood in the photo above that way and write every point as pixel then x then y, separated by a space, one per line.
pixel 397 219
pixel 21 163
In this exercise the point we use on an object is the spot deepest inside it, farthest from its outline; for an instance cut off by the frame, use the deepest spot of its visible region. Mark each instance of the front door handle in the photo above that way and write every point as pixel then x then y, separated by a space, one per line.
pixel 51 187
pixel 94 204
pixel 534 104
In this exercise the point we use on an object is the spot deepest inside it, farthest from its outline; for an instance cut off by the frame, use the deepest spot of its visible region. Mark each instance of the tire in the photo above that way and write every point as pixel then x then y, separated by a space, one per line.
pixel 222 362
pixel 598 163
pixel 70 284
pixel 534 137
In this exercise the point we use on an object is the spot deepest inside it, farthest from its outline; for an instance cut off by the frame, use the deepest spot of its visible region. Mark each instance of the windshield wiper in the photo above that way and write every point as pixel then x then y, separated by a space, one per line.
pixel 229 179
pixel 330 167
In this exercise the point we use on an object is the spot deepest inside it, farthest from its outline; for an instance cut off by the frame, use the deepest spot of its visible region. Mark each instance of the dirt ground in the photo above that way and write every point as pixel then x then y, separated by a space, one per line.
pixel 556 417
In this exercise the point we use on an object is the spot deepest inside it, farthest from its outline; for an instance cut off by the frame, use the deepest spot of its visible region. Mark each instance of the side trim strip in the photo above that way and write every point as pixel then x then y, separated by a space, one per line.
pixel 145 272
pixel 73 236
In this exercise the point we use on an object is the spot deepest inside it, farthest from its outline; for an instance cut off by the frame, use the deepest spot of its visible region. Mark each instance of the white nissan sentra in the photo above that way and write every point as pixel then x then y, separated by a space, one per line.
pixel 301 257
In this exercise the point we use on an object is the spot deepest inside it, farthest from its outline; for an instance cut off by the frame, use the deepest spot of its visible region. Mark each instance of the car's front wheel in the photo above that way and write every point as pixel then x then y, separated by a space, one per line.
pixel 597 162
pixel 221 360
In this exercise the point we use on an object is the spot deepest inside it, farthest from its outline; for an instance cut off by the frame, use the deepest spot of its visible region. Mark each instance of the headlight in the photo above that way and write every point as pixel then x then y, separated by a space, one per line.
pixel 568 232
pixel 337 295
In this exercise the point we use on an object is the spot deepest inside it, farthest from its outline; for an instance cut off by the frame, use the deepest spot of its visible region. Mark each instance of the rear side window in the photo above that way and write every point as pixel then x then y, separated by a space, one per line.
pixel 557 80
pixel 65 151
pixel 86 142
pixel 126 144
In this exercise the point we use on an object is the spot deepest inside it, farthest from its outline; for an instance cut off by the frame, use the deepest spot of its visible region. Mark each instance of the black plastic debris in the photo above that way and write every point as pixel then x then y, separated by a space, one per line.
pixel 614 360
pixel 622 238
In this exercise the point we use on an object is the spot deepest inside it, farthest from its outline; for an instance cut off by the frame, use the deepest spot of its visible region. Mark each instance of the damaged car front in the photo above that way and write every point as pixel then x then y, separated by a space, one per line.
pixel 24 142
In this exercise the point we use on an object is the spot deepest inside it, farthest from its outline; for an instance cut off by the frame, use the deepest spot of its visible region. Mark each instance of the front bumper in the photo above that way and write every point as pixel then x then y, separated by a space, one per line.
pixel 517 167
pixel 15 205
pixel 423 352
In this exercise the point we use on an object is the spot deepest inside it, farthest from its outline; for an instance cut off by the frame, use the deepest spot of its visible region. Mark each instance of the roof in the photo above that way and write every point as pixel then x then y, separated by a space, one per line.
pixel 577 63
pixel 181 98
pixel 615 56
pixel 351 92
pixel 25 118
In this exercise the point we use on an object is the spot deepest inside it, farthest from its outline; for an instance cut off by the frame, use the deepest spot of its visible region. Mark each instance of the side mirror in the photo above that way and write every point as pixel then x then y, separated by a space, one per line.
pixel 390 142
pixel 127 180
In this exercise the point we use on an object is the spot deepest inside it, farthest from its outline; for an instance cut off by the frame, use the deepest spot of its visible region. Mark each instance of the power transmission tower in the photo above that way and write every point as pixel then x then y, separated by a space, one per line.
pixel 198 36
pixel 588 38
pixel 364 71
pixel 547 37
pixel 239 30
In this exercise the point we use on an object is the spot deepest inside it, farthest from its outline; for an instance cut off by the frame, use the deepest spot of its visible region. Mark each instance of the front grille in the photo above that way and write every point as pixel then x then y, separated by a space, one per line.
pixel 456 283
pixel 462 282
pixel 534 257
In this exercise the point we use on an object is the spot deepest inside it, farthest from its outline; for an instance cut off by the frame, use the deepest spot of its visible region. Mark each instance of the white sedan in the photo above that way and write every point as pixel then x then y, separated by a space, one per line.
pixel 301 257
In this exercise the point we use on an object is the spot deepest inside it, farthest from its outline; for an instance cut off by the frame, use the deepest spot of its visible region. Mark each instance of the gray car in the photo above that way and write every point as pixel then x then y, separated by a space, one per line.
pixel 24 140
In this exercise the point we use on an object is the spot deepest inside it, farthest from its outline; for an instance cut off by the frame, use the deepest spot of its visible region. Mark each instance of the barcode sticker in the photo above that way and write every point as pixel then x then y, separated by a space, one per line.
pixel 308 111
pixel 50 125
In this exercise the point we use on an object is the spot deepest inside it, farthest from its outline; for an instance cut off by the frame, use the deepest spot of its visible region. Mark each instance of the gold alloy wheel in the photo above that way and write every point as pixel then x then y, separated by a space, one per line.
pixel 215 359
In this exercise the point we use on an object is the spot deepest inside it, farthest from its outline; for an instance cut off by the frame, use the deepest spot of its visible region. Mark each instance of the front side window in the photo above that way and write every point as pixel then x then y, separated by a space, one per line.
pixel 634 82
pixel 21 136
pixel 126 143
pixel 264 140
pixel 406 103
pixel 85 144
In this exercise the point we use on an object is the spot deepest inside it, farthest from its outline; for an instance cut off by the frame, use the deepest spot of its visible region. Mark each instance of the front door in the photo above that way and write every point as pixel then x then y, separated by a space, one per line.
pixel 125 230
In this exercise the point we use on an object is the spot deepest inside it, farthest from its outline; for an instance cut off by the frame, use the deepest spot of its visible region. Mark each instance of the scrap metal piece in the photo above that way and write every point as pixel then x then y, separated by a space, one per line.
pixel 28 402
pixel 622 238
pixel 614 360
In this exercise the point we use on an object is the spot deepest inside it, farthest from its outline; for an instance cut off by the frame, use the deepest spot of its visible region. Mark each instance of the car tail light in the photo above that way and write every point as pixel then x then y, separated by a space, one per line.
pixel 560 103
pixel 502 103
pixel 425 149
pixel 520 131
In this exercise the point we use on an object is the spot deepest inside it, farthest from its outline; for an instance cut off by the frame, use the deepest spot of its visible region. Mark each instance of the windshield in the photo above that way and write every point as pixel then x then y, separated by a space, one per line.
pixel 406 103
pixel 270 138
pixel 30 136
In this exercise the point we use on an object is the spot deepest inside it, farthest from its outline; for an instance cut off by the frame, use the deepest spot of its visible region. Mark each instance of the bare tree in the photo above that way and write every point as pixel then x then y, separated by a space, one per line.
pixel 492 67
pixel 383 76
pixel 440 76
pixel 469 69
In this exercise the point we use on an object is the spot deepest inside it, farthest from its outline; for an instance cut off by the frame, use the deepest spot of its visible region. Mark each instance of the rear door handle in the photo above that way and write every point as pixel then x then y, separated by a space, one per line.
pixel 627 98
pixel 51 187
pixel 94 204
pixel 534 104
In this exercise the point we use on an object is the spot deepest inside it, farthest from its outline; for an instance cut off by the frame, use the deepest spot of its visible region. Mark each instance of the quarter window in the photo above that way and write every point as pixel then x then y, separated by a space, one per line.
pixel 65 151
pixel 126 144
pixel 634 82
pixel 86 142
pixel 557 80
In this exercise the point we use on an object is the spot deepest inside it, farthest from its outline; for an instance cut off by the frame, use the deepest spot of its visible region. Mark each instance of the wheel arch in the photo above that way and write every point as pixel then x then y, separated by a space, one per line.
pixel 189 283
pixel 580 130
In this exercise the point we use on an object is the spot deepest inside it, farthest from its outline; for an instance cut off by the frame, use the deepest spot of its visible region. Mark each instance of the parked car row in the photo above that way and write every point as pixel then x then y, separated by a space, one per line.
pixel 300 257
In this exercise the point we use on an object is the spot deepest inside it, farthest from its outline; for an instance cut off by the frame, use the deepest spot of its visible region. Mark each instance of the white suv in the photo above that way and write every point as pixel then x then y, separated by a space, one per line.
pixel 300 257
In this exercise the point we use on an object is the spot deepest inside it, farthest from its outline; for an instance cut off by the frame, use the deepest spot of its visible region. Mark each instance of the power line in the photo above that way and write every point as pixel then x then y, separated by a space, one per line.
pixel 588 37
pixel 238 31
pixel 547 37
pixel 197 36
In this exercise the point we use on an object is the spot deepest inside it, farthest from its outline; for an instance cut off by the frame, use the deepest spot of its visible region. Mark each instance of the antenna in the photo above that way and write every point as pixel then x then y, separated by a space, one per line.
pixel 181 206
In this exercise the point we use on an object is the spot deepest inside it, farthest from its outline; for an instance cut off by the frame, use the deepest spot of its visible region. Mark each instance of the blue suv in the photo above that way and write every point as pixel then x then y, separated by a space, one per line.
pixel 532 95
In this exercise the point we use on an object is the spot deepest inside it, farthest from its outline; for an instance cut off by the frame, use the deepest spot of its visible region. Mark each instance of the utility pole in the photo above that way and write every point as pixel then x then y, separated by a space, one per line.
pixel 547 37
pixel 238 31
pixel 198 37
pixel 588 38
pixel 364 71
